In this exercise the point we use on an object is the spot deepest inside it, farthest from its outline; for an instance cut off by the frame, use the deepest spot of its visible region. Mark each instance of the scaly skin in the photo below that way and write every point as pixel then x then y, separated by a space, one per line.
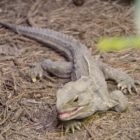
pixel 87 93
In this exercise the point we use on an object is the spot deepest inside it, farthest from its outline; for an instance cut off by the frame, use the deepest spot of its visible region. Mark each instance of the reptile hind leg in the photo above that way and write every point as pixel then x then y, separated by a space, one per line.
pixel 60 69
pixel 122 100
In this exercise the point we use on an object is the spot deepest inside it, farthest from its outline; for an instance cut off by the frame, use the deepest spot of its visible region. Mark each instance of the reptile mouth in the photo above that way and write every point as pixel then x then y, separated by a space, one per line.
pixel 66 115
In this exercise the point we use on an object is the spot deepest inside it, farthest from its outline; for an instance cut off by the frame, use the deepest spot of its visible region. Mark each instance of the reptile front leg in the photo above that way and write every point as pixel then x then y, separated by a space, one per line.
pixel 124 81
pixel 71 126
pixel 59 69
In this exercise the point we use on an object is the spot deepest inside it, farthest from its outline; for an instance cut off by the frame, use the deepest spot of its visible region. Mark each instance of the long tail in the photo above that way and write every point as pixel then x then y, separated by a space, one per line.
pixel 55 40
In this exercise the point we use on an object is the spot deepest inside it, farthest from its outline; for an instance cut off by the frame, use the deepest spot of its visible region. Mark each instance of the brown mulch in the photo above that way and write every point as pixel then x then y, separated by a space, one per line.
pixel 27 110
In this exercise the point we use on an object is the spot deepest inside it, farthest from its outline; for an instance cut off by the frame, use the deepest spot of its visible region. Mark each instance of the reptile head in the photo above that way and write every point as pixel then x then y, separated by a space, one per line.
pixel 74 100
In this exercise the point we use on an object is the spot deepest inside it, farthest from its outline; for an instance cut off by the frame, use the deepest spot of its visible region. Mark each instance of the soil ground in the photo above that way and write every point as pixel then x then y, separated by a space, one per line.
pixel 27 110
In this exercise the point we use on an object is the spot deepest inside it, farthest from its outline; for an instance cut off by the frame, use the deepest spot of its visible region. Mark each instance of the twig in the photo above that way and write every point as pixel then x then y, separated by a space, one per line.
pixel 89 132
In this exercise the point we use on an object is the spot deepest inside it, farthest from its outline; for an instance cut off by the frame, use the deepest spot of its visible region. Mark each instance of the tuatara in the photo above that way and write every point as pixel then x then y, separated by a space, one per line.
pixel 87 91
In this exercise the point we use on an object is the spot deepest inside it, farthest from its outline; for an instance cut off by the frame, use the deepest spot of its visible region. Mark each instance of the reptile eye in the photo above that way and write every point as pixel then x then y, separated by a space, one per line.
pixel 76 99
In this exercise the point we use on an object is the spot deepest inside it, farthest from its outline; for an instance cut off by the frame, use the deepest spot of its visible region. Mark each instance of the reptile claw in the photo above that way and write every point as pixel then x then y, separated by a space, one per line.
pixel 33 79
pixel 130 90
pixel 36 72
pixel 71 126
pixel 66 130
pixel 137 82
pixel 78 127
pixel 135 89
pixel 127 86
pixel 72 129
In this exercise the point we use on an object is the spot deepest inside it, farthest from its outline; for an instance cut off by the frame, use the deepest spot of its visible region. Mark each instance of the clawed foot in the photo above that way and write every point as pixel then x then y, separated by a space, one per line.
pixel 36 72
pixel 128 86
pixel 71 126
